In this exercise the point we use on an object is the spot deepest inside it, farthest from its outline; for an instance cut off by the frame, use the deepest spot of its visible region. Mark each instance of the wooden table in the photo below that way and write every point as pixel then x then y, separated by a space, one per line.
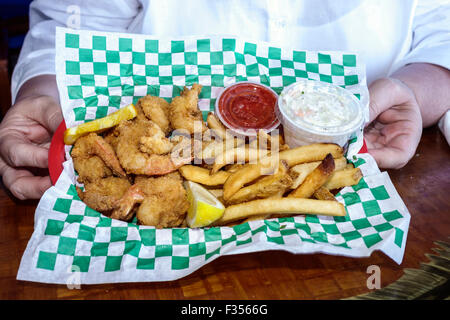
pixel 423 185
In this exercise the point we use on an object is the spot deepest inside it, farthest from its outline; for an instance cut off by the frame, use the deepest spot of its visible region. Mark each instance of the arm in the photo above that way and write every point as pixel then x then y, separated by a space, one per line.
pixel 430 85
pixel 25 134
pixel 37 56
pixel 27 128
pixel 416 94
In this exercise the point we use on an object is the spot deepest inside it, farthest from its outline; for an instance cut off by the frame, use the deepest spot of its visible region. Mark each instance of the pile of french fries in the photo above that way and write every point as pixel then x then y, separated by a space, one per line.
pixel 264 178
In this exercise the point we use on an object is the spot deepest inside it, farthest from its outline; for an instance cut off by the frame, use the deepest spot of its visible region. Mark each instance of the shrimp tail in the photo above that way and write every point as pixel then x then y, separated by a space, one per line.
pixel 102 149
pixel 124 207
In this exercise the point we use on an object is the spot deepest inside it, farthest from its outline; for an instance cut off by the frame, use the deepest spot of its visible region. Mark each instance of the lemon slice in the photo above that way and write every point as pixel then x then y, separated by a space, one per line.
pixel 98 125
pixel 204 207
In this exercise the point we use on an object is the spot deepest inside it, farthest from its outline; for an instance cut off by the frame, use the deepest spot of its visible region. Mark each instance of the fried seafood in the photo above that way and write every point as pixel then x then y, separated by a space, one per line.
pixel 160 201
pixel 124 208
pixel 184 113
pixel 91 169
pixel 165 203
pixel 135 155
pixel 155 141
pixel 157 110
pixel 102 194
pixel 94 158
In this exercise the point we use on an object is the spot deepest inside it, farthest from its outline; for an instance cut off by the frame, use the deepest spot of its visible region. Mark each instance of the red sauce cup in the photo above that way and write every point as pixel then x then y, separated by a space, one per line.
pixel 246 107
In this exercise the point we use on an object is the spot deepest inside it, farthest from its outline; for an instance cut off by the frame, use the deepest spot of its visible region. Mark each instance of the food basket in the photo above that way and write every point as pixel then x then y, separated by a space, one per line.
pixel 99 72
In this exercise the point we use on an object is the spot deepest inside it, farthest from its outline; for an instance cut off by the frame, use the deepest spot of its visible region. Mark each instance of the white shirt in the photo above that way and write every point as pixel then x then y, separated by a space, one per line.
pixel 386 34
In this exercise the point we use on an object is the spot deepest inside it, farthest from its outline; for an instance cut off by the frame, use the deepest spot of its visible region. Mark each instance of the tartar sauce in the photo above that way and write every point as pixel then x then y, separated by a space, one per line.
pixel 318 112
pixel 321 107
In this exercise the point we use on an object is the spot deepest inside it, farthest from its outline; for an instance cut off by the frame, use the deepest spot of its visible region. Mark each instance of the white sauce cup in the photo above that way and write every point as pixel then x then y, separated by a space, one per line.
pixel 298 132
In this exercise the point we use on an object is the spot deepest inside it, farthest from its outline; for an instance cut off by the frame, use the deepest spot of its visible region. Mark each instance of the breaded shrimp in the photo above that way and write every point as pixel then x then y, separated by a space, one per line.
pixel 92 156
pixel 157 110
pixel 155 141
pixel 165 203
pixel 184 113
pixel 102 194
pixel 160 202
pixel 91 169
pixel 131 157
pixel 124 207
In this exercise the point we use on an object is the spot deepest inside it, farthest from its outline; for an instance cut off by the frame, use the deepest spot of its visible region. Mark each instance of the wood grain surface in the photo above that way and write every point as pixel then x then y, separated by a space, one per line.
pixel 424 185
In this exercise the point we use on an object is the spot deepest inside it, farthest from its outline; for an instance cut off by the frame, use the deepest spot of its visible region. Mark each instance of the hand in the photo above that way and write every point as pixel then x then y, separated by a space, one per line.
pixel 395 126
pixel 25 135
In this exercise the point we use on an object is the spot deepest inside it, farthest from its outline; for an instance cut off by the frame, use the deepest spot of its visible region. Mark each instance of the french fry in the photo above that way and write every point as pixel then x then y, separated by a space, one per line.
pixel 215 124
pixel 233 167
pixel 202 176
pixel 281 207
pixel 324 194
pixel 343 178
pixel 211 150
pixel 242 154
pixel 277 195
pixel 309 153
pixel 216 192
pixel 304 169
pixel 247 174
pixel 257 217
pixel 231 155
pixel 273 142
pixel 315 179
pixel 265 187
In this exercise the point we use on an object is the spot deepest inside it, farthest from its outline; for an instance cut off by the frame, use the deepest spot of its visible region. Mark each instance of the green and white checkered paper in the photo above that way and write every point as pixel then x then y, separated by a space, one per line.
pixel 99 72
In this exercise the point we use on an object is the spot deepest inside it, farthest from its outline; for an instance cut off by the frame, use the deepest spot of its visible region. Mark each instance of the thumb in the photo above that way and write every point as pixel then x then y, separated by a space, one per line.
pixel 385 93
pixel 47 112
pixel 17 152
pixel 389 158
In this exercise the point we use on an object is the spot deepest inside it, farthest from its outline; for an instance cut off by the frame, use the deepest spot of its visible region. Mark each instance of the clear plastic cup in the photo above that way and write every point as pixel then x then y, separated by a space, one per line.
pixel 300 130
pixel 240 130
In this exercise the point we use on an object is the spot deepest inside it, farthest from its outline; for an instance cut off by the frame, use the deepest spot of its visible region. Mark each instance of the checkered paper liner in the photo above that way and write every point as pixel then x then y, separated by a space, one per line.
pixel 99 72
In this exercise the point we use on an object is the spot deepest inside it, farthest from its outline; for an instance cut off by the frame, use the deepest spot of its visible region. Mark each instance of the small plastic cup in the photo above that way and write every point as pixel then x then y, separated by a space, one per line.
pixel 298 132
pixel 240 130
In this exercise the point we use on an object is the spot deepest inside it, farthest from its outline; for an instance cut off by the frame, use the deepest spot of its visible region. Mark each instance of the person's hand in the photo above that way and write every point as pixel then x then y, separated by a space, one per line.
pixel 25 135
pixel 395 126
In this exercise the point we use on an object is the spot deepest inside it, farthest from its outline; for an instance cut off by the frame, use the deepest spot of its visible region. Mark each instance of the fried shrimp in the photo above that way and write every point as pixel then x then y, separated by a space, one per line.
pixel 133 159
pixel 160 202
pixel 155 141
pixel 91 169
pixel 124 207
pixel 94 158
pixel 103 194
pixel 184 113
pixel 157 110
pixel 165 203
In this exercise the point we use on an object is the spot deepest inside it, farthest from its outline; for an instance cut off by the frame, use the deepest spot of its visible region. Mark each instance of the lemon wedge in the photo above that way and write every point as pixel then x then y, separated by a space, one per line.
pixel 204 207
pixel 126 113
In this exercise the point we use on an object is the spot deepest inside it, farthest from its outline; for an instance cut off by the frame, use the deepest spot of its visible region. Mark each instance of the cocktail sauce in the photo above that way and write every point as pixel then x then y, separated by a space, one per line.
pixel 248 106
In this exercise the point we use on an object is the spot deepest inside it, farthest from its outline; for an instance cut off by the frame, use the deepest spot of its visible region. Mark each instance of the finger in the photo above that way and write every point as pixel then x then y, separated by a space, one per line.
pixel 17 152
pixel 37 134
pixel 47 112
pixel 23 185
pixel 384 94
pixel 389 158
pixel 374 140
